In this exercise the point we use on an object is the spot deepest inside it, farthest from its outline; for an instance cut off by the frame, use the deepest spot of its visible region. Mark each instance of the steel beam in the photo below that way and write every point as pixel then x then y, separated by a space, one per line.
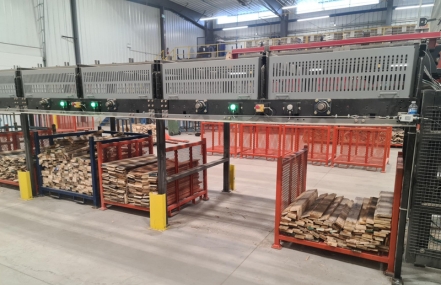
pixel 389 12
pixel 356 41
pixel 162 28
pixel 194 170
pixel 24 119
pixel 274 6
pixel 226 187
pixel 284 25
pixel 75 32
pixel 187 14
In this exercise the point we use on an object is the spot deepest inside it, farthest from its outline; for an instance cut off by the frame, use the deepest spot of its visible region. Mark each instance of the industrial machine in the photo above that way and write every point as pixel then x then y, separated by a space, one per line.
pixel 355 81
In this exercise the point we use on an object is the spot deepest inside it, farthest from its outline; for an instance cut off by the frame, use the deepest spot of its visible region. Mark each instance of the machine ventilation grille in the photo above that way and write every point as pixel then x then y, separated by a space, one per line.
pixel 117 82
pixel 7 84
pixel 345 74
pixel 50 83
pixel 227 79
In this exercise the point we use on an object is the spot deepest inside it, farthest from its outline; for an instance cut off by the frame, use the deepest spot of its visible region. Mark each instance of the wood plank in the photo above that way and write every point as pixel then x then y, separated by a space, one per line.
pixel 322 206
pixel 384 205
pixel 302 203
pixel 314 205
pixel 331 208
pixel 334 216
pixel 363 212
pixel 371 210
pixel 353 215
pixel 340 222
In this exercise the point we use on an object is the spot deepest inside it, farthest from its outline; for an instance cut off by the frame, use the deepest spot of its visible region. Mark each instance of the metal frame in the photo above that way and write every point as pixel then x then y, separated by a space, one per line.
pixel 95 198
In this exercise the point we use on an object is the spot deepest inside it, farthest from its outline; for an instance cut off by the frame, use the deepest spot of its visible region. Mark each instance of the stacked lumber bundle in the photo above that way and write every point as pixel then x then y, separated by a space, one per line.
pixel 397 136
pixel 131 184
pixel 66 164
pixel 10 163
pixel 143 129
pixel 363 224
pixel 114 177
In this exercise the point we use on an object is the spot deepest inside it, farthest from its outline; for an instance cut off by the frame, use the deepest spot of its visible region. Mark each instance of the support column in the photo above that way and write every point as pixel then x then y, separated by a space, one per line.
pixel 162 29
pixel 209 34
pixel 408 157
pixel 226 187
pixel 284 25
pixel 28 150
pixel 75 33
pixel 389 11
pixel 113 124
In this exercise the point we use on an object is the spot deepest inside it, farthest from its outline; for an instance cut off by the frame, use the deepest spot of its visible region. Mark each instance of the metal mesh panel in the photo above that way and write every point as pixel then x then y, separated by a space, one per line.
pixel 216 79
pixel 179 160
pixel 424 236
pixel 214 134
pixel 7 84
pixel 368 147
pixel 318 141
pixel 364 73
pixel 119 81
pixel 263 141
pixel 50 83
pixel 293 177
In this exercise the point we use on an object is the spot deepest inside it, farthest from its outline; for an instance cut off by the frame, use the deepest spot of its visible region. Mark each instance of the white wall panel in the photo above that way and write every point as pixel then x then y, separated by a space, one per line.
pixel 409 16
pixel 58 23
pixel 250 33
pixel 19 41
pixel 116 30
pixel 181 33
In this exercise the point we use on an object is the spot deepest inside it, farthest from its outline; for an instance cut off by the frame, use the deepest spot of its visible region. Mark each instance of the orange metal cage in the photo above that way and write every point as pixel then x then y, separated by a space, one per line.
pixel 65 124
pixel 291 182
pixel 262 141
pixel 214 135
pixel 361 146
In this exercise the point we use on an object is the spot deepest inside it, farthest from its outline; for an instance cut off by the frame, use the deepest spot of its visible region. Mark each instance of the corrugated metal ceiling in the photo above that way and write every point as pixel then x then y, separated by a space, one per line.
pixel 224 7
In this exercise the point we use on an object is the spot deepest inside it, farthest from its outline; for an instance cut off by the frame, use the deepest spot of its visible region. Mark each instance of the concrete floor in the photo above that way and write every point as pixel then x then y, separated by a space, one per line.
pixel 226 240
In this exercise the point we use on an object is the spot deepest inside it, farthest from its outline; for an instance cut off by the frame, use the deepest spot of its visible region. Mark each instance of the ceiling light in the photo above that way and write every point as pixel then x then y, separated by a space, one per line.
pixel 315 18
pixel 307 7
pixel 268 17
pixel 235 28
pixel 289 7
pixel 211 18
pixel 413 7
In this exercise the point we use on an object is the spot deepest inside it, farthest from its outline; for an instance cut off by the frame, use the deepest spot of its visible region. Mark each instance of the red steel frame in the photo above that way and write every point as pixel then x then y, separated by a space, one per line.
pixel 318 140
pixel 365 146
pixel 356 41
pixel 266 148
pixel 202 194
pixel 101 147
pixel 215 139
pixel 388 258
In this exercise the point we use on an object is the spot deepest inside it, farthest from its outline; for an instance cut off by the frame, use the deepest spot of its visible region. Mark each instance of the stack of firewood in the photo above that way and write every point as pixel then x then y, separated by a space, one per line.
pixel 143 129
pixel 130 181
pixel 397 136
pixel 10 163
pixel 363 224
pixel 66 163
pixel 114 177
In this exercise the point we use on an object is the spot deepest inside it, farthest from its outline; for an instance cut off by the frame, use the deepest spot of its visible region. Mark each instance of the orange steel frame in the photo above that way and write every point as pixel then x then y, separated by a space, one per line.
pixel 257 148
pixel 216 144
pixel 101 147
pixel 388 259
pixel 364 145
pixel 203 194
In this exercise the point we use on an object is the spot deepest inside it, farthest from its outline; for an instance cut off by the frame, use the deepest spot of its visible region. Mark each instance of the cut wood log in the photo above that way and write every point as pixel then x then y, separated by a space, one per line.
pixel 353 215
pixel 303 201
pixel 322 206
pixel 331 208
pixel 340 222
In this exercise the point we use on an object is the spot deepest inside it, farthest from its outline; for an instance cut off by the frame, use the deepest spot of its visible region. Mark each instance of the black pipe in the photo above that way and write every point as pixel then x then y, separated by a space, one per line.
pixel 226 187
pixel 28 151
pixel 408 156
pixel 74 16
pixel 112 124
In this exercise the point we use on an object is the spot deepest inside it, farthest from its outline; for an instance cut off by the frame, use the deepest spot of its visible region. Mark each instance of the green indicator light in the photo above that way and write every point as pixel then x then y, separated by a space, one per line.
pixel 63 104
pixel 93 104
pixel 232 107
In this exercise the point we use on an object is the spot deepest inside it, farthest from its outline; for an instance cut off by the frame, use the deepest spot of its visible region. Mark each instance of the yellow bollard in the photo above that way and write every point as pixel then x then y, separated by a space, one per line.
pixel 232 178
pixel 158 211
pixel 55 121
pixel 24 182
